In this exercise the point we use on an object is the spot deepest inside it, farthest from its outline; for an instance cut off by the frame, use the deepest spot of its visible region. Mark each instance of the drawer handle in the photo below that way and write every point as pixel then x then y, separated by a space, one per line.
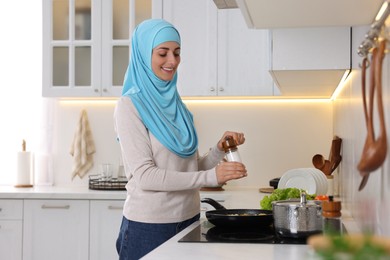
pixel 55 207
pixel 115 207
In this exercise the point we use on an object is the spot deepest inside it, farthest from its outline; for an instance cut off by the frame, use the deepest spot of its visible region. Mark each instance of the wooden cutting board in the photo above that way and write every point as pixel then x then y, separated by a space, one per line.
pixel 266 190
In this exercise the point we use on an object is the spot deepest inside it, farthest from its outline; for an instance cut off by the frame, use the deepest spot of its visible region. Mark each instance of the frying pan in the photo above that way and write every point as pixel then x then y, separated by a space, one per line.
pixel 237 217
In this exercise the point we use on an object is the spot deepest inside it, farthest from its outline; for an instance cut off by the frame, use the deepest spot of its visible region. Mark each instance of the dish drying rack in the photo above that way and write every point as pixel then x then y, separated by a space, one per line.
pixel 99 182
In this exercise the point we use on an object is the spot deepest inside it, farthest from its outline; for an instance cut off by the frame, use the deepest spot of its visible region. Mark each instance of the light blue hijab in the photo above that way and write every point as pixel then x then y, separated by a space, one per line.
pixel 157 101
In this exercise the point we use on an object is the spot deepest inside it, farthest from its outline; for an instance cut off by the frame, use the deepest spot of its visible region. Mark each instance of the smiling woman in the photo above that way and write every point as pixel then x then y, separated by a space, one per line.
pixel 20 81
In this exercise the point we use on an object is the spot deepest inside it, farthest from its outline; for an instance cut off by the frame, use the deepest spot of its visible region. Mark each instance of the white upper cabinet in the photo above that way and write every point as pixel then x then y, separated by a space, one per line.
pixel 86 45
pixel 220 56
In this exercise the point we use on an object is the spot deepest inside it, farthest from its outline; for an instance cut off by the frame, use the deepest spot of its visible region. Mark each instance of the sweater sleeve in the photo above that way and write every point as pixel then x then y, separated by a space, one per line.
pixel 211 158
pixel 149 164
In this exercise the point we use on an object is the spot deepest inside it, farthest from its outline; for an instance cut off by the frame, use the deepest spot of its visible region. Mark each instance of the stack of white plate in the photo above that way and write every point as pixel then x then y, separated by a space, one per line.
pixel 312 180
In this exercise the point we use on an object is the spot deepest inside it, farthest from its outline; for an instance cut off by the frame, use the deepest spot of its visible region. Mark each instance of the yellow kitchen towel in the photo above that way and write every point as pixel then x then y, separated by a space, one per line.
pixel 83 147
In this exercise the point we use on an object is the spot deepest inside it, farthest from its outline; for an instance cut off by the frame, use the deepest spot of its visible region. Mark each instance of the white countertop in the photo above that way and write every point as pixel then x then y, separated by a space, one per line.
pixel 59 192
pixel 243 197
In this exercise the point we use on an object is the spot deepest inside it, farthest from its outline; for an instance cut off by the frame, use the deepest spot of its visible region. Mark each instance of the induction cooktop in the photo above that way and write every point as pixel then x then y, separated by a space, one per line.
pixel 206 232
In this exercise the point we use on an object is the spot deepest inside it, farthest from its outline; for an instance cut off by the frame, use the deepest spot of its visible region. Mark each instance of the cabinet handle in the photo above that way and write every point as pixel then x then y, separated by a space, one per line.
pixel 221 89
pixel 96 90
pixel 105 90
pixel 115 207
pixel 212 89
pixel 1 209
pixel 55 207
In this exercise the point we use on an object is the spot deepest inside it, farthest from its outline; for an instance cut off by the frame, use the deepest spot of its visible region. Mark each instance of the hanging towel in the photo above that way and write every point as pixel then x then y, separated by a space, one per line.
pixel 83 147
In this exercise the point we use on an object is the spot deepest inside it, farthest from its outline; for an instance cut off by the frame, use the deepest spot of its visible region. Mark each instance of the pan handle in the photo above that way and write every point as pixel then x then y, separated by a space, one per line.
pixel 213 203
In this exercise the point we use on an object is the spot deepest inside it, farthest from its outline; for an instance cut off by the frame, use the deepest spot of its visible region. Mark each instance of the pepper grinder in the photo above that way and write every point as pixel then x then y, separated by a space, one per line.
pixel 331 212
pixel 231 151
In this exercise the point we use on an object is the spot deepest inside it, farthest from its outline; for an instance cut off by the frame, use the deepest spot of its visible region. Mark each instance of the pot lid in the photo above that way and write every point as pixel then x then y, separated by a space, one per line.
pixel 294 203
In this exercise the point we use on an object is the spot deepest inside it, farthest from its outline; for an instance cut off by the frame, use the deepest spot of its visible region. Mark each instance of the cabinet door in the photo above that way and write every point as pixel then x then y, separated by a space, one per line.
pixel 120 17
pixel 220 55
pixel 71 48
pixel 196 22
pixel 11 228
pixel 105 221
pixel 86 45
pixel 11 239
pixel 56 229
pixel 243 57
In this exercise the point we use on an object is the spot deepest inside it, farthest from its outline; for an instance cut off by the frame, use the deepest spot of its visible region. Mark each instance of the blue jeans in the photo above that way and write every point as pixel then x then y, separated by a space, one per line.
pixel 136 239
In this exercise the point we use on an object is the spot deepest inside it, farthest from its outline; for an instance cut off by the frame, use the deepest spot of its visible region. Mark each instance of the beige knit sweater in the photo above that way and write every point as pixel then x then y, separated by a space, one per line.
pixel 162 187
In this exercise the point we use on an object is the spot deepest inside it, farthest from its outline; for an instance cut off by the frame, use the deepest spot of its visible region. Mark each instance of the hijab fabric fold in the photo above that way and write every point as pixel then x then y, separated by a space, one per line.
pixel 157 101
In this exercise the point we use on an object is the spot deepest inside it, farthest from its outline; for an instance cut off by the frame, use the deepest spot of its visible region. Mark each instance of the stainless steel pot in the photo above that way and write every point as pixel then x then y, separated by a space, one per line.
pixel 297 218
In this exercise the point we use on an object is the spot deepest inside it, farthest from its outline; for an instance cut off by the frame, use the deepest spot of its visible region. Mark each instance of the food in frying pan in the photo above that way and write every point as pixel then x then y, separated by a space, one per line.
pixel 246 214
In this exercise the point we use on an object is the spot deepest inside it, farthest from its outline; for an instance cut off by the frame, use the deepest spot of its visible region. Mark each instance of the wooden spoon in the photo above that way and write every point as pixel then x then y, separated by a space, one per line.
pixel 321 164
pixel 335 157
pixel 318 161
pixel 374 151
pixel 327 167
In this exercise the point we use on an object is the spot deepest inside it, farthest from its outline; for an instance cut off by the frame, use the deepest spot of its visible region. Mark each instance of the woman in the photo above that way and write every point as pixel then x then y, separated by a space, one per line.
pixel 159 146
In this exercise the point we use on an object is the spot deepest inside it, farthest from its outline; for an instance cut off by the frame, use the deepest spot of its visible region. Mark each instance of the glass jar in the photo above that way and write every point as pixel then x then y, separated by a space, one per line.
pixel 231 150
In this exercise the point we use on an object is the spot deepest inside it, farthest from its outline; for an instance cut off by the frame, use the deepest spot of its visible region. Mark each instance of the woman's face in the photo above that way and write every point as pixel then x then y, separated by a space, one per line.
pixel 165 60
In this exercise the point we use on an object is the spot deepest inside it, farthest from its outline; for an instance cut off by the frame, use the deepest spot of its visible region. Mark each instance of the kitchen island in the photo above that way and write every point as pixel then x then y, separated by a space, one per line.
pixel 172 249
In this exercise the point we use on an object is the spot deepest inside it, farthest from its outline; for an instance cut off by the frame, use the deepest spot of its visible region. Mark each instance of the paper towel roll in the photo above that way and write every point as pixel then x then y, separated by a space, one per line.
pixel 24 169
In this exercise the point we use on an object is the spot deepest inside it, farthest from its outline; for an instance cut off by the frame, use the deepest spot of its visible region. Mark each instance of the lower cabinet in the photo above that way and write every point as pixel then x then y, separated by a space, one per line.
pixel 105 220
pixel 11 229
pixel 56 229
pixel 64 230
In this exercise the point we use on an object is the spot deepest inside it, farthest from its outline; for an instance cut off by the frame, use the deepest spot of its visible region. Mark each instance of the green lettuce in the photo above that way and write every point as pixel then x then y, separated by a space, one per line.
pixel 283 194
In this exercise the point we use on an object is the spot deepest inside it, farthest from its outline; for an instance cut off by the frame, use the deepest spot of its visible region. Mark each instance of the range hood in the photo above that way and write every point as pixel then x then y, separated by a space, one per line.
pixel 225 4
pixel 267 14
pixel 308 83
pixel 288 20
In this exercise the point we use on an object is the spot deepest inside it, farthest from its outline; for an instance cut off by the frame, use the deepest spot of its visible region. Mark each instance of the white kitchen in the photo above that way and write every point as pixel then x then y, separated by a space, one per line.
pixel 287 75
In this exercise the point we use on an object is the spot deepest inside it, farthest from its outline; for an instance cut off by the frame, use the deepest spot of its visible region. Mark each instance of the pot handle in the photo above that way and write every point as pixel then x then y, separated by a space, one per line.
pixel 213 203
pixel 303 198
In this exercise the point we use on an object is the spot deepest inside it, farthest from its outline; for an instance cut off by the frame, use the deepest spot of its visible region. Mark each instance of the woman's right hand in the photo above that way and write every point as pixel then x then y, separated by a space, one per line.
pixel 227 171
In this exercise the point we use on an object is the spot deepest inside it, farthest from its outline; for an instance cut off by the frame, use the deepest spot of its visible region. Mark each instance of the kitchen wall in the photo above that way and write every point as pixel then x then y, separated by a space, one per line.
pixel 280 135
pixel 371 206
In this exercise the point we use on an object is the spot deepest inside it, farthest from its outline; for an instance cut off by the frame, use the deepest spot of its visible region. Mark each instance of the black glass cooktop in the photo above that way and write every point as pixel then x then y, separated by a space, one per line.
pixel 206 232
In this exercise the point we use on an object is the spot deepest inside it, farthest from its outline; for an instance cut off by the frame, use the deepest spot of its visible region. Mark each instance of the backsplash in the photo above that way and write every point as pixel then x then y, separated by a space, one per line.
pixel 371 206
pixel 280 135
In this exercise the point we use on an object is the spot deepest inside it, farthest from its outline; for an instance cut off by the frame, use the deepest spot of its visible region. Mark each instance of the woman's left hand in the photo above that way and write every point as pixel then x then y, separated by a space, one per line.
pixel 239 138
